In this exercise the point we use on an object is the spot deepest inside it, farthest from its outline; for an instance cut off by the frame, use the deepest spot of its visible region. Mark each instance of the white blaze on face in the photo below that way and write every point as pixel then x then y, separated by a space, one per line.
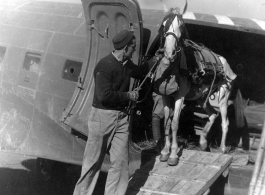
pixel 171 41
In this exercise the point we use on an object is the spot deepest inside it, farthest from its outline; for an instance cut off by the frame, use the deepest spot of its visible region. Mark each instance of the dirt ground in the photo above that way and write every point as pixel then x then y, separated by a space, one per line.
pixel 20 175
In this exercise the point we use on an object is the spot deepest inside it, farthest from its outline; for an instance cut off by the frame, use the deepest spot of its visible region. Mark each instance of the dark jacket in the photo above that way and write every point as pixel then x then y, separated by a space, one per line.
pixel 112 81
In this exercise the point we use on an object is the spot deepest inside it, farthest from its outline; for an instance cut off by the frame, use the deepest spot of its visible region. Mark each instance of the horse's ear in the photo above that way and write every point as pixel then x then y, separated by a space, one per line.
pixel 183 10
pixel 166 9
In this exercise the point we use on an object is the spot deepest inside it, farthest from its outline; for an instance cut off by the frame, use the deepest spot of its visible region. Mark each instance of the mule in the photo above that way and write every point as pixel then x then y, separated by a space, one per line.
pixel 177 54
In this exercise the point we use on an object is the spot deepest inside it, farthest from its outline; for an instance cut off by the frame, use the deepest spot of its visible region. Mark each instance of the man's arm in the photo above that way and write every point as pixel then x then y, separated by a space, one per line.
pixel 105 93
pixel 138 72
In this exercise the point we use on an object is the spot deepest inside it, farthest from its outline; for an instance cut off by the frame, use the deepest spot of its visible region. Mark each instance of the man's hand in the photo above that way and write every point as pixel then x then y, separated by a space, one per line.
pixel 133 95
pixel 159 54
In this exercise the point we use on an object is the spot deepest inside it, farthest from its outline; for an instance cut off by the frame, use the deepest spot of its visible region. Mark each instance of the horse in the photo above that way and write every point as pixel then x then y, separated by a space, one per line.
pixel 187 70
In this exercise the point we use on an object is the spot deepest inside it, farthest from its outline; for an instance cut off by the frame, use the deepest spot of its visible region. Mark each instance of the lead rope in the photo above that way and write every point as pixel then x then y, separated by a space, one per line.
pixel 151 75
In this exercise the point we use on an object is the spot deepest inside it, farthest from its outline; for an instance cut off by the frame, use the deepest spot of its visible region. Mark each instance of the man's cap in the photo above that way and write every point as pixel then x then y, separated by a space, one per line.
pixel 121 39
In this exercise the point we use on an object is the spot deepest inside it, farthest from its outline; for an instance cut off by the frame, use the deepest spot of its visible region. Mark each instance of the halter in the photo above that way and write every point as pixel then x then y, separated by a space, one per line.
pixel 163 31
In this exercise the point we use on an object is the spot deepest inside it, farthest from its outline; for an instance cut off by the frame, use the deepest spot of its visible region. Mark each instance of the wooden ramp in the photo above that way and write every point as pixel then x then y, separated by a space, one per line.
pixel 194 174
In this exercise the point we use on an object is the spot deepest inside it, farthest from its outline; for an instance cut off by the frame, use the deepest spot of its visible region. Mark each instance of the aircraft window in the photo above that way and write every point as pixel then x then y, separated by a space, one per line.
pixel 2 54
pixel 32 62
pixel 72 70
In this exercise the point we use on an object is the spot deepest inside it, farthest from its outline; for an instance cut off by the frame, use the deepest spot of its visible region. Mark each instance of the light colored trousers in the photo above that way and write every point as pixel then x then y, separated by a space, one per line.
pixel 106 129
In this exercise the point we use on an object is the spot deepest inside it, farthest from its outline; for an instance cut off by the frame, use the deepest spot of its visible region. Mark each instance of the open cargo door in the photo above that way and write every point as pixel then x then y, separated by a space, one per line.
pixel 103 20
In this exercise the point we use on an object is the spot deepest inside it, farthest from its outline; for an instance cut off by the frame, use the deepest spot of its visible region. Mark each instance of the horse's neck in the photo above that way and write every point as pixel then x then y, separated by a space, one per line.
pixel 190 59
pixel 182 28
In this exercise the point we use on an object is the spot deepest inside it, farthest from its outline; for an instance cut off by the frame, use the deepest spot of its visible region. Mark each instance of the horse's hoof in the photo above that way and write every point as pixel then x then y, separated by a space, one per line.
pixel 203 146
pixel 164 157
pixel 173 161
pixel 225 150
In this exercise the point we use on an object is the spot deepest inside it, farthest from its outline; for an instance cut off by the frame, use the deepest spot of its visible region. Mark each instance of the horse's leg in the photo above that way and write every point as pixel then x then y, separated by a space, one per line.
pixel 212 114
pixel 173 158
pixel 166 150
pixel 224 93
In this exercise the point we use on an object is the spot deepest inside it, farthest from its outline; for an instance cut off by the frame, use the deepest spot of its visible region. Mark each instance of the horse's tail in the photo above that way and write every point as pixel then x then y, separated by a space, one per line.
pixel 239 110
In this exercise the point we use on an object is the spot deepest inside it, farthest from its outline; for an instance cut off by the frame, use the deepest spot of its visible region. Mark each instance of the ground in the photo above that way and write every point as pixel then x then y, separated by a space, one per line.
pixel 20 175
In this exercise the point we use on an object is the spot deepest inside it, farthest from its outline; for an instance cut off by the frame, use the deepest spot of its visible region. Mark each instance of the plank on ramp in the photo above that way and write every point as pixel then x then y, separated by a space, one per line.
pixel 194 174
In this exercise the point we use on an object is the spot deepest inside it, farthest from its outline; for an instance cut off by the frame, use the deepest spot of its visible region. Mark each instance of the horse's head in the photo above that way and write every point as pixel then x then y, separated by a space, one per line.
pixel 172 29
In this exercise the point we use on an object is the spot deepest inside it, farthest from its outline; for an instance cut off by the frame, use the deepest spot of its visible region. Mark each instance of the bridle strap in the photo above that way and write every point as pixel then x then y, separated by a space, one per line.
pixel 173 58
pixel 163 32
pixel 171 33
pixel 178 46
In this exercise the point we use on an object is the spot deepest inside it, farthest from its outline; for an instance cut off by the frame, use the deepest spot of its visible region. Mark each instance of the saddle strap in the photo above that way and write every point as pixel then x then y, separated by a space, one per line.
pixel 205 57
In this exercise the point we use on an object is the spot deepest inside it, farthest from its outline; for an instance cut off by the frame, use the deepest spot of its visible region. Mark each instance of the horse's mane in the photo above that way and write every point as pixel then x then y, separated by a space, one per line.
pixel 171 12
pixel 175 10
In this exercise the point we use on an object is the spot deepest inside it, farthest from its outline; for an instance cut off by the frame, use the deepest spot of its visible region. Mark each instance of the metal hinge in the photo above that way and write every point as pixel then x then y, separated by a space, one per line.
pixel 92 26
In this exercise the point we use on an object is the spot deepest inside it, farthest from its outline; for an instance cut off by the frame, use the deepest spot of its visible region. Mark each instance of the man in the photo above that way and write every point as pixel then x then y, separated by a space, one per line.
pixel 108 122
pixel 158 109
pixel 157 118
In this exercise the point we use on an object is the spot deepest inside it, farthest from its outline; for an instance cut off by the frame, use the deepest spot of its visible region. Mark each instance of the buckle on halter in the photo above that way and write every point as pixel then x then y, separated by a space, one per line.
pixel 178 49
